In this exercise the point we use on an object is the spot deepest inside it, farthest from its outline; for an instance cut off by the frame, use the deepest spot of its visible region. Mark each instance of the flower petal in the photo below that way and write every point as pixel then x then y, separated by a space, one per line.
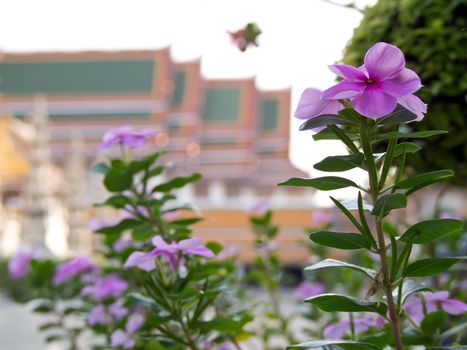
pixel 454 307
pixel 344 89
pixel 310 104
pixel 349 72
pixel 413 104
pixel 383 61
pixel 336 330
pixel 406 82
pixel 374 103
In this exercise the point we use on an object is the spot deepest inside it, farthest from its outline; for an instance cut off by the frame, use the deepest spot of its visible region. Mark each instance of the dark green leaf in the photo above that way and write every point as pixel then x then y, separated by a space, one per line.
pixel 430 266
pixel 177 182
pixel 118 202
pixel 118 180
pixel 401 115
pixel 340 163
pixel 327 134
pixel 123 225
pixel 430 230
pixel 458 347
pixel 388 202
pixel 324 120
pixel 341 240
pixel 185 222
pixel 55 337
pixel 49 325
pixel 432 321
pixel 416 182
pixel 411 135
pixel 349 215
pixel 406 147
pixel 326 183
pixel 338 302
pixel 328 263
pixel 335 345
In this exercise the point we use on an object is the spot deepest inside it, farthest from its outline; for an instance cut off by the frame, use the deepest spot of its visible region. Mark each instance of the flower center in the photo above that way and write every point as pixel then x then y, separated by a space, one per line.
pixel 370 81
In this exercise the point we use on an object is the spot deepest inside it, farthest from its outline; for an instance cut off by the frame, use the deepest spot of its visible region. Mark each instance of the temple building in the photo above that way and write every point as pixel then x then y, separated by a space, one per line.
pixel 234 134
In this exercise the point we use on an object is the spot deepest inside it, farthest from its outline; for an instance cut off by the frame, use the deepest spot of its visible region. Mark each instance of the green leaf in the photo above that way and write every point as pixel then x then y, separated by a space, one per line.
pixel 340 163
pixel 430 230
pixel 416 182
pixel 328 263
pixel 338 302
pixel 55 337
pixel 185 222
pixel 410 287
pixel 43 306
pixel 125 224
pixel 349 215
pixel 335 345
pixel 323 120
pixel 49 325
pixel 118 202
pixel 430 266
pixel 406 147
pixel 327 134
pixel 410 135
pixel 100 168
pixel 177 182
pixel 325 183
pixel 432 321
pixel 118 180
pixel 401 115
pixel 388 202
pixel 341 240
pixel 352 205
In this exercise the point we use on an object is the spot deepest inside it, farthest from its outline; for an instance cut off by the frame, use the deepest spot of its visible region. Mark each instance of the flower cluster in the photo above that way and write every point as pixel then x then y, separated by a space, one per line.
pixel 76 266
pixel 125 136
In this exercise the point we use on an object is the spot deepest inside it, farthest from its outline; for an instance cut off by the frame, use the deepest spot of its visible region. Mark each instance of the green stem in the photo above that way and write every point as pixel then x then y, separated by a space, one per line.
pixel 344 138
pixel 352 326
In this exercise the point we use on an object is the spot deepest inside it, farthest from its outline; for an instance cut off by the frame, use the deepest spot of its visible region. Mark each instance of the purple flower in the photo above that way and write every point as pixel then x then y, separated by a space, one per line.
pixel 308 289
pixel 339 329
pixel 322 217
pixel 229 252
pixel 172 252
pixel 103 288
pixel 124 135
pixel 118 310
pixel 375 88
pixel 97 315
pixel 70 269
pixel 451 215
pixel 225 346
pixel 414 307
pixel 124 338
pixel 260 208
pixel 312 104
pixel 18 265
pixel 172 215
pixel 413 104
pixel 268 247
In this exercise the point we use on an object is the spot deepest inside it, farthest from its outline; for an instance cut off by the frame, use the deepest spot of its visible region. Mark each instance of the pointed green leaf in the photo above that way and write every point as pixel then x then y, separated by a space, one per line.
pixel 325 183
pixel 432 321
pixel 406 147
pixel 341 240
pixel 323 120
pixel 388 202
pixel 123 225
pixel 118 180
pixel 338 302
pixel 430 230
pixel 410 135
pixel 416 182
pixel 430 267
pixel 327 134
pixel 177 182
pixel 328 263
pixel 349 215
pixel 335 345
pixel 340 163
pixel 401 115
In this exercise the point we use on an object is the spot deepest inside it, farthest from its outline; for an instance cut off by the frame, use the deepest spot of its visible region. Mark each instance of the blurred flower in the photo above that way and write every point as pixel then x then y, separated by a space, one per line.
pixel 246 36
pixel 339 329
pixel 97 315
pixel 125 243
pixel 70 269
pixel 172 215
pixel 103 288
pixel 172 252
pixel 451 215
pixel 308 289
pixel 229 252
pixel 124 338
pixel 321 217
pixel 259 208
pixel 124 135
pixel 376 87
pixel 118 310
pixel 225 346
pixel 312 104
pixel 268 247
pixel 414 307
pixel 19 264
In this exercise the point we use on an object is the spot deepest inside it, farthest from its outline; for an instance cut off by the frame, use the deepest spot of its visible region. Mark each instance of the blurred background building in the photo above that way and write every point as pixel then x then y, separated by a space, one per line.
pixel 56 107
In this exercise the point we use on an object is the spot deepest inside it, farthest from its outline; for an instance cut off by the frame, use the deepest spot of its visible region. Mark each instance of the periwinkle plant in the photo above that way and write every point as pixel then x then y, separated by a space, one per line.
pixel 366 111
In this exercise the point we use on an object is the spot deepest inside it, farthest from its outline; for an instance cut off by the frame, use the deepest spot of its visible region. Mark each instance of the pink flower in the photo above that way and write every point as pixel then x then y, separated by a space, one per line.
pixel 375 88
pixel 19 264
pixel 124 135
pixel 414 307
pixel 312 104
pixel 97 316
pixel 124 338
pixel 321 217
pixel 260 208
pixel 339 329
pixel 117 310
pixel 70 269
pixel 103 288
pixel 308 289
pixel 171 252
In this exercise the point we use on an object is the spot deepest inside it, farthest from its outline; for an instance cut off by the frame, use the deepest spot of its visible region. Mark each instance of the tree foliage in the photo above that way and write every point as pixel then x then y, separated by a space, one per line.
pixel 433 36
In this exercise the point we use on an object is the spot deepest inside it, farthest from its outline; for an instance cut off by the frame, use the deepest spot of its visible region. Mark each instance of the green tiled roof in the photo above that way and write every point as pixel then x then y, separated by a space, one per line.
pixel 269 114
pixel 222 105
pixel 77 77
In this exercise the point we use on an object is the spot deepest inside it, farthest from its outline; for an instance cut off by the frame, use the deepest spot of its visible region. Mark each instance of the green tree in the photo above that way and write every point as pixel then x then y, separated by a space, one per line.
pixel 433 36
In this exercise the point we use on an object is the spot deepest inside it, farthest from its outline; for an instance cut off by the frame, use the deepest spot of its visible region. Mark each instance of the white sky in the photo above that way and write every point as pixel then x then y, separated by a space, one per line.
pixel 300 38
